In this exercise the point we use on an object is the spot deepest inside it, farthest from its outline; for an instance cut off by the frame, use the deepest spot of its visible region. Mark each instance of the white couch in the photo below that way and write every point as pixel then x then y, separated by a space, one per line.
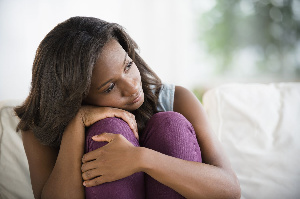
pixel 257 124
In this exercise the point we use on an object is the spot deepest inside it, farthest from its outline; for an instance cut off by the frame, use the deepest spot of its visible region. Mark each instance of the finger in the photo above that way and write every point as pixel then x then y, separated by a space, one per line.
pixel 129 118
pixel 133 125
pixel 90 174
pixel 104 137
pixel 94 182
pixel 89 166
pixel 136 135
pixel 92 155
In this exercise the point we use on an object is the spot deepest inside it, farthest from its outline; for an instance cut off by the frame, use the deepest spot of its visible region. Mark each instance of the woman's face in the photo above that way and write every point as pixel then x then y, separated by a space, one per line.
pixel 116 80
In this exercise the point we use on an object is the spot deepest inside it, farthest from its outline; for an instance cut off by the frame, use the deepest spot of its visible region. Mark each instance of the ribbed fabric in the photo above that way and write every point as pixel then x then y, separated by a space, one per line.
pixel 167 132
pixel 131 187
pixel 172 134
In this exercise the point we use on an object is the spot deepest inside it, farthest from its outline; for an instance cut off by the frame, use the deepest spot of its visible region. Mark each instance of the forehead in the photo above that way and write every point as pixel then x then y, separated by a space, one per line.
pixel 111 52
pixel 111 58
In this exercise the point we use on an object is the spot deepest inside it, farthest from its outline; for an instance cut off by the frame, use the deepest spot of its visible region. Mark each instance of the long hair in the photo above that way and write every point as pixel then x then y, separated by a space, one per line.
pixel 61 76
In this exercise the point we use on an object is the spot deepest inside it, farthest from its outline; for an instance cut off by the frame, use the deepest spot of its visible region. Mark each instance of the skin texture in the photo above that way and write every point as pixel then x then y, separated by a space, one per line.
pixel 50 169
pixel 116 80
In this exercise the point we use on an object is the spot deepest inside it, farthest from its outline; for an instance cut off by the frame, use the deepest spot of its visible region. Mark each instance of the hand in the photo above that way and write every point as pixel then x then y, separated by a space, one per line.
pixel 92 114
pixel 114 161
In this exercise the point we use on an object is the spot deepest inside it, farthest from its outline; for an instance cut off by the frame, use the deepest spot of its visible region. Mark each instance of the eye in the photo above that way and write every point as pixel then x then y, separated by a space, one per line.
pixel 111 86
pixel 128 66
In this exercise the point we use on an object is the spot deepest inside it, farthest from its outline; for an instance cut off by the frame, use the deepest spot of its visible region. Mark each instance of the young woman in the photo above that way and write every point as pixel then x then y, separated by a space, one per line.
pixel 98 123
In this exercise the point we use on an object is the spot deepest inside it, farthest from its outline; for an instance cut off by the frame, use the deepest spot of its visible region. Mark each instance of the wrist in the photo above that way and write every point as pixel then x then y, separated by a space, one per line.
pixel 142 159
pixel 76 122
pixel 75 128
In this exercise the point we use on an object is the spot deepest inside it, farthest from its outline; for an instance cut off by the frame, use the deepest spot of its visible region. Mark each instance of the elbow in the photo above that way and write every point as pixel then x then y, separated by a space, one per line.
pixel 235 188
pixel 229 188
pixel 236 192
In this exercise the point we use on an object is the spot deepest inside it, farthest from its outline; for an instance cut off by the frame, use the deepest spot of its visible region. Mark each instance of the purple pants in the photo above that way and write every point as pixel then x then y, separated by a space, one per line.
pixel 167 132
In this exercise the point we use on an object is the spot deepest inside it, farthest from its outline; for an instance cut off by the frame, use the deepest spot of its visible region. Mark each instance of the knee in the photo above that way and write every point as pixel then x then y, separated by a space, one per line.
pixel 108 125
pixel 172 134
pixel 168 115
pixel 164 126
pixel 171 120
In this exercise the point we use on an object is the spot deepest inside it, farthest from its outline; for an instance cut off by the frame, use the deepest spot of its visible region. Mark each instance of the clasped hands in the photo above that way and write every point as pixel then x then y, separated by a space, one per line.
pixel 115 160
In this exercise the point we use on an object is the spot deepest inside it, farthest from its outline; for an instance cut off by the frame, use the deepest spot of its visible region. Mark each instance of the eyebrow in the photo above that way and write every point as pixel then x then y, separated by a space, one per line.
pixel 98 88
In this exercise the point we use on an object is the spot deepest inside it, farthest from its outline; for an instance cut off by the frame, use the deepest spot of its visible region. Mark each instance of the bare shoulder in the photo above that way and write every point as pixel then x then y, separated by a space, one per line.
pixel 186 103
pixel 182 96
pixel 31 143
pixel 41 160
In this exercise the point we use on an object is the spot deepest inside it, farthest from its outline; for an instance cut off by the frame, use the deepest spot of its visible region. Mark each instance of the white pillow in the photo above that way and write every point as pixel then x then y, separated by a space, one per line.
pixel 259 127
pixel 14 172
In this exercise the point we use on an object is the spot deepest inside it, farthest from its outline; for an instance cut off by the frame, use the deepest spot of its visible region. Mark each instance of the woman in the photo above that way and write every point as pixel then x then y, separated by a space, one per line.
pixel 143 137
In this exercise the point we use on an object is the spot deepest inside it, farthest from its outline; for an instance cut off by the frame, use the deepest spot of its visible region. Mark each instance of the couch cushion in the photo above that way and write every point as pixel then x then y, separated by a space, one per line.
pixel 259 127
pixel 14 171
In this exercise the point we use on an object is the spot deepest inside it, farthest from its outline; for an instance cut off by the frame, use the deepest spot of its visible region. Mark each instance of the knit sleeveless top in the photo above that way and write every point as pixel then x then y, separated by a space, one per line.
pixel 166 98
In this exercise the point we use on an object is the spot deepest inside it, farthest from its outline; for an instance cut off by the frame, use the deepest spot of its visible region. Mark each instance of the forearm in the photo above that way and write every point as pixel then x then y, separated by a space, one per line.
pixel 190 179
pixel 65 180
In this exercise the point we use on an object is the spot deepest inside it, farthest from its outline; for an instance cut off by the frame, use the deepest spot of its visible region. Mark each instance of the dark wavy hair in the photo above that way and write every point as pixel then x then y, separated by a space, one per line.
pixel 61 76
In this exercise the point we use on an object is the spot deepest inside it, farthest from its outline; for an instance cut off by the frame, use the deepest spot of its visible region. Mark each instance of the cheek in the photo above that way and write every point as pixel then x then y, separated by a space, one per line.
pixel 111 100
pixel 95 99
pixel 137 73
pixel 102 100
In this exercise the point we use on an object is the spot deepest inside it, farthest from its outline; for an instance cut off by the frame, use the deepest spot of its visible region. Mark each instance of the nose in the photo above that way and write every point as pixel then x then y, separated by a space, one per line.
pixel 130 86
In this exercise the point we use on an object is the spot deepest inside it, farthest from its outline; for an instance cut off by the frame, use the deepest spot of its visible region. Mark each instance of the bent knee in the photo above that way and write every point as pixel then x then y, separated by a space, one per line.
pixel 170 119
pixel 172 134
pixel 108 125
pixel 169 115
pixel 166 125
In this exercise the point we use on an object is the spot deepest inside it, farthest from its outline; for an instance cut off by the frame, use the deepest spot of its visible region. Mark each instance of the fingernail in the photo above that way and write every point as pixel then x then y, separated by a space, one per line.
pixel 95 136
pixel 84 183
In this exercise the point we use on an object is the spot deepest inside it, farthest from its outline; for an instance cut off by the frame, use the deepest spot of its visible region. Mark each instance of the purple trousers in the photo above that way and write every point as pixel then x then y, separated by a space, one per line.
pixel 169 133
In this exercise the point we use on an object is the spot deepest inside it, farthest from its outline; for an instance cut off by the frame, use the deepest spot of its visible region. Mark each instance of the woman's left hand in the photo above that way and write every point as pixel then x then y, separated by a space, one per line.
pixel 114 161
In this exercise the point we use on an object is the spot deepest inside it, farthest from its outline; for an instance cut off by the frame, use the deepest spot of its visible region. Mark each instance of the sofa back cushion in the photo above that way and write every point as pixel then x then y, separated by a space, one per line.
pixel 259 128
pixel 14 171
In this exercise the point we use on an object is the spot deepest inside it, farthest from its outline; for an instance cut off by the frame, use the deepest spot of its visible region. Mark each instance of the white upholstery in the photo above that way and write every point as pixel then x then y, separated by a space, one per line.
pixel 258 125
pixel 14 172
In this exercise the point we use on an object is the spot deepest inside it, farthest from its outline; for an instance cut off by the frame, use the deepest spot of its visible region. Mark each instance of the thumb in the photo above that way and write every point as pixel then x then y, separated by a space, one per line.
pixel 136 134
pixel 104 137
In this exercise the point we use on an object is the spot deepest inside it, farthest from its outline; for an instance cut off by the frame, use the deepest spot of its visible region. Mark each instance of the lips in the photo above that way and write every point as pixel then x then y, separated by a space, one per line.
pixel 138 97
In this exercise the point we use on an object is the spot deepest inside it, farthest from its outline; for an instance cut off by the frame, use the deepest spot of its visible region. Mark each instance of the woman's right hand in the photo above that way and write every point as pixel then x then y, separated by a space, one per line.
pixel 91 114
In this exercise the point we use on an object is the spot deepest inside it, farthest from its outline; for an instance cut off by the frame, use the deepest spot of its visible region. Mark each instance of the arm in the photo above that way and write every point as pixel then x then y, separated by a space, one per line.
pixel 212 179
pixel 56 173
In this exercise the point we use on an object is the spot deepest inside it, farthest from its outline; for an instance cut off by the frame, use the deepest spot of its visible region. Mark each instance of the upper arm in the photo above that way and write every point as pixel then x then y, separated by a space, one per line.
pixel 41 160
pixel 186 103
